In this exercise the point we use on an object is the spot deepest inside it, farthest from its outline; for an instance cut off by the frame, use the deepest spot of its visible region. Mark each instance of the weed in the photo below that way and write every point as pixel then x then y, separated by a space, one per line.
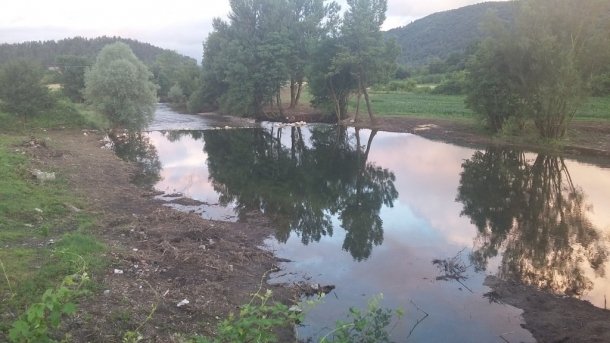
pixel 368 326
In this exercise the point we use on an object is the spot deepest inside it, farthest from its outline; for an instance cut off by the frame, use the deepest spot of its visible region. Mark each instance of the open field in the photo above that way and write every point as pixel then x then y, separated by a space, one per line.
pixel 452 106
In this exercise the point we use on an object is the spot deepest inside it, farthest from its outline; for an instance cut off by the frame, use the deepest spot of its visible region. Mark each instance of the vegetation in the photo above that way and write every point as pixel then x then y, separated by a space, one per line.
pixel 33 211
pixel 48 52
pixel 263 46
pixel 176 77
pixel 21 90
pixel 540 69
pixel 439 35
pixel 118 85
pixel 358 58
pixel 72 75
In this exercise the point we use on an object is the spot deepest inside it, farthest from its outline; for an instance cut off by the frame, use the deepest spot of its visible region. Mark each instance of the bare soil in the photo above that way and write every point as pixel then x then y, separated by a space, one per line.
pixel 159 256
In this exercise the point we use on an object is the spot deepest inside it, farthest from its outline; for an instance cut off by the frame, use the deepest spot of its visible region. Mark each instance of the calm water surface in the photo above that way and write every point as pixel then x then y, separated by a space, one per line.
pixel 369 212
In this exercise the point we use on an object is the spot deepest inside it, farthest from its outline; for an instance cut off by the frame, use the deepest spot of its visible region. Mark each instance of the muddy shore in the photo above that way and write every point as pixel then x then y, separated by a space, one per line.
pixel 166 256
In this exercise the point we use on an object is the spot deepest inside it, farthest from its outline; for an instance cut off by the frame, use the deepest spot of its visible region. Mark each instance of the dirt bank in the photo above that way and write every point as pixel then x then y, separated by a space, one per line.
pixel 158 256
pixel 552 318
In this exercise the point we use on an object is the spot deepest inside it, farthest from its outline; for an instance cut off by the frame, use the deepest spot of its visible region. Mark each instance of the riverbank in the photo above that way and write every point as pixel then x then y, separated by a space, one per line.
pixel 155 257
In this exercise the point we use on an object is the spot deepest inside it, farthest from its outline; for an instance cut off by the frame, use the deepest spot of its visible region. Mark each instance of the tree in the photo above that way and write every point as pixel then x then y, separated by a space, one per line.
pixel 72 75
pixel 21 90
pixel 353 59
pixel 373 58
pixel 119 86
pixel 544 65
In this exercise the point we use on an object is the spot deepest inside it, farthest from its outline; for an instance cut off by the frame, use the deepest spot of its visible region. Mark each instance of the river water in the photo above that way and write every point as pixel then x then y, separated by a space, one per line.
pixel 419 221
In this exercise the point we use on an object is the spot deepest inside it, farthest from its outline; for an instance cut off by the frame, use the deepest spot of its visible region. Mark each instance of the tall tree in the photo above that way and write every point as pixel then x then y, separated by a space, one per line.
pixel 372 57
pixel 546 62
pixel 21 89
pixel 119 85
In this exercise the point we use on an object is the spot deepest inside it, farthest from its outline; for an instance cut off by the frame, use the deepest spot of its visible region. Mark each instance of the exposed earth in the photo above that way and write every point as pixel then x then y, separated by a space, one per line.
pixel 160 257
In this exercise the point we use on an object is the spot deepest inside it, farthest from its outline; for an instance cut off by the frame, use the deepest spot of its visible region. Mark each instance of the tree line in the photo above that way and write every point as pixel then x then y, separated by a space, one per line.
pixel 267 46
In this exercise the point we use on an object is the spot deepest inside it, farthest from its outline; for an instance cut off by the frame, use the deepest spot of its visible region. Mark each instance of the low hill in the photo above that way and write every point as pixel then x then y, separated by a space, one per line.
pixel 441 34
pixel 46 52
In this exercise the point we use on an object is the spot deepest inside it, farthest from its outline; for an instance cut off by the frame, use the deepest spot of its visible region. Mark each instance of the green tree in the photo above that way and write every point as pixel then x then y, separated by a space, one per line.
pixel 543 65
pixel 119 86
pixel 72 75
pixel 21 89
pixel 372 58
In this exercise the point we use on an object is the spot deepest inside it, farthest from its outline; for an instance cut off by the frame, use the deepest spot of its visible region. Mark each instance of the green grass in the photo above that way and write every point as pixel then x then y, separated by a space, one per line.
pixel 595 108
pixel 452 106
pixel 63 114
pixel 415 104
pixel 31 214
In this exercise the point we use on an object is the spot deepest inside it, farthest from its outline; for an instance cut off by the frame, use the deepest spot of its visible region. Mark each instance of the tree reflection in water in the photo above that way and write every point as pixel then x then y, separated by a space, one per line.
pixel 533 213
pixel 300 186
pixel 136 147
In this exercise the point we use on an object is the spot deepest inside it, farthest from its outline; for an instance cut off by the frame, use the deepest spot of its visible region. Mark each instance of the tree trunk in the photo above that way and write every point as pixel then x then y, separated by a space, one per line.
pixel 336 100
pixel 298 96
pixel 293 93
pixel 358 105
pixel 368 104
pixel 279 102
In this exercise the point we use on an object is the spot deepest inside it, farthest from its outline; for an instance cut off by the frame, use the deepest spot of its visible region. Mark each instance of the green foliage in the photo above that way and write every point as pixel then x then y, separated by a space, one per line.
pixel 441 34
pixel 370 326
pixel 118 85
pixel 256 322
pixel 397 86
pixel 48 52
pixel 38 321
pixel 600 85
pixel 539 70
pixel 490 90
pixel 21 90
pixel 171 69
pixel 72 76
pixel 455 84
pixel 176 95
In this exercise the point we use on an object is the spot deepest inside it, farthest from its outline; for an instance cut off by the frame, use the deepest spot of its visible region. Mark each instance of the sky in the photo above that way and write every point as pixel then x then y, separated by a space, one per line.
pixel 180 25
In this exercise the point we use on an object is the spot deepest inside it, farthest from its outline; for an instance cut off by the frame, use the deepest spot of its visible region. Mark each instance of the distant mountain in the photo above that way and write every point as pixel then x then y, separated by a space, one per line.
pixel 441 34
pixel 46 52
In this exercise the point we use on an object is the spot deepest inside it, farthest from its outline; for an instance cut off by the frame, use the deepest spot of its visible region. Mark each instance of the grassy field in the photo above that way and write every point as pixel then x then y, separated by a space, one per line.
pixel 452 106
pixel 42 237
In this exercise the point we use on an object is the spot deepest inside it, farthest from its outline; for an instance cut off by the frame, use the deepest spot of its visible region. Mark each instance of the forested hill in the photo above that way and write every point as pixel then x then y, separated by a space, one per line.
pixel 443 33
pixel 46 52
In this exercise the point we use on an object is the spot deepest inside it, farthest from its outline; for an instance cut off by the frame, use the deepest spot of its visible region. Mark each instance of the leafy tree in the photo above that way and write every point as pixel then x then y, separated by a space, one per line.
pixel 490 90
pixel 119 86
pixel 544 64
pixel 371 58
pixel 72 75
pixel 21 89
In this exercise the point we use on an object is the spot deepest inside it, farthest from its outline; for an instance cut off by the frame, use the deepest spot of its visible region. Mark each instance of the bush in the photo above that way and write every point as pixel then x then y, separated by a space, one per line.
pixel 21 90
pixel 454 85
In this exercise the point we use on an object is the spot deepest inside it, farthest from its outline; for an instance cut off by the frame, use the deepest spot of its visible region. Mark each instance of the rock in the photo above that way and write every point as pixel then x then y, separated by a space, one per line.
pixel 118 271
pixel 183 302
pixel 43 176
pixel 107 292
pixel 38 210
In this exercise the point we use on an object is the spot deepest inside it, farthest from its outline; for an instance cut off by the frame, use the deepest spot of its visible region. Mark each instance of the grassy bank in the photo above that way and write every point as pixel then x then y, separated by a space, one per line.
pixel 45 233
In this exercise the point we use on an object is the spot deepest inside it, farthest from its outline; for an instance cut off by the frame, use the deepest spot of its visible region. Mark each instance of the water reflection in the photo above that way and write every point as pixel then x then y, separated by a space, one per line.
pixel 302 185
pixel 533 214
pixel 136 147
